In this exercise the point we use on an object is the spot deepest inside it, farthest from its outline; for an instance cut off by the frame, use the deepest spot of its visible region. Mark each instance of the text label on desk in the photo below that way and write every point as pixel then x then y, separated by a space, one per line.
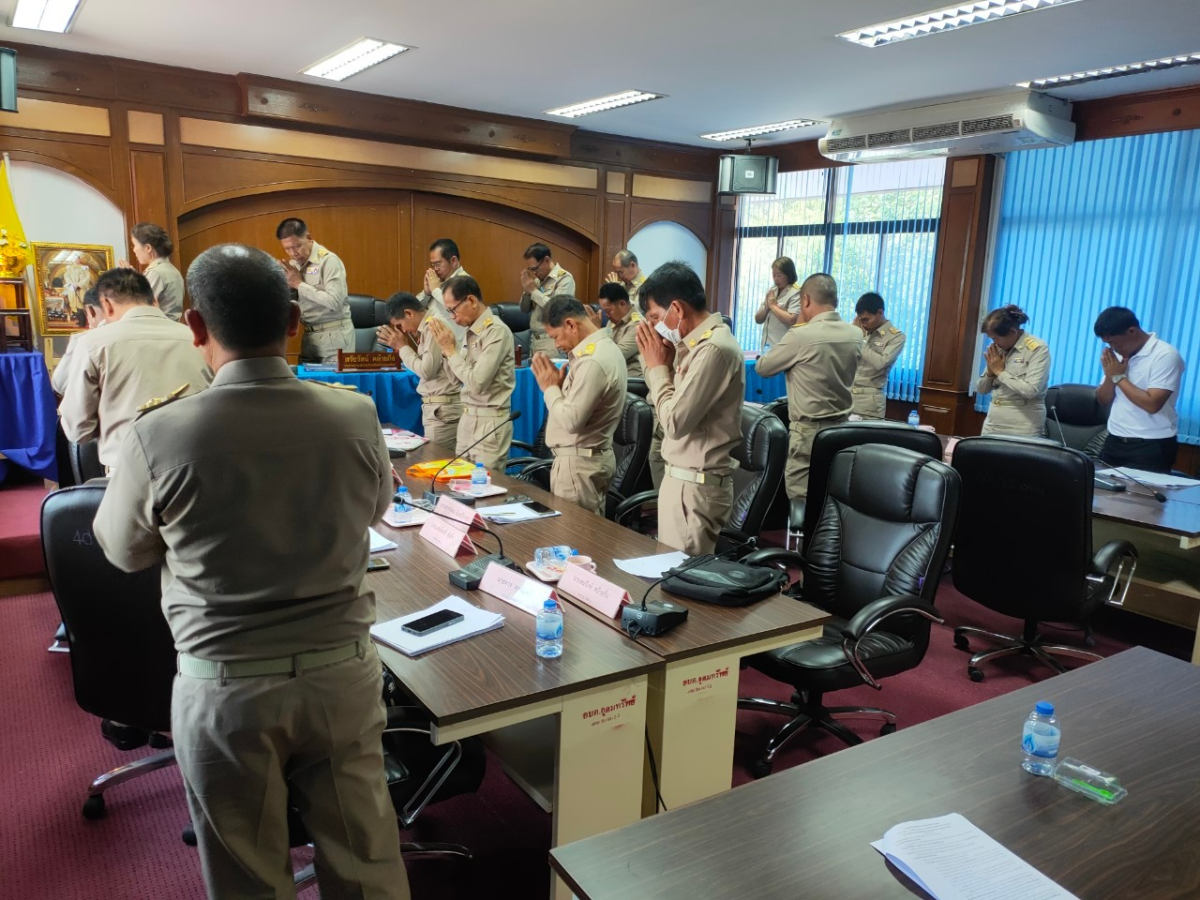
pixel 603 715
pixel 700 683
pixel 588 587
pixel 449 537
pixel 459 512
pixel 367 362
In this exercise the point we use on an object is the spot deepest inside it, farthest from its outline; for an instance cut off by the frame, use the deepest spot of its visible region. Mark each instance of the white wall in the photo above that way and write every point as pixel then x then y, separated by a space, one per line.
pixel 660 242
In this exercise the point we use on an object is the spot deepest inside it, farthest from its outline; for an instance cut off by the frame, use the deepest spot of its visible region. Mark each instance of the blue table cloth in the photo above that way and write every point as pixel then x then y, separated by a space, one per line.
pixel 28 415
pixel 763 390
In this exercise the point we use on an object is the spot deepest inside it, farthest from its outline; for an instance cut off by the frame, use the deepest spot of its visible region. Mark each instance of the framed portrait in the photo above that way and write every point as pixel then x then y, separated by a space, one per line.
pixel 64 272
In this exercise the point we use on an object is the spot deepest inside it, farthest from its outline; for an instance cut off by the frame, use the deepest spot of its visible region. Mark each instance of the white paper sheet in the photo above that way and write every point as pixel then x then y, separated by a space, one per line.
pixel 380 544
pixel 951 859
pixel 399 439
pixel 475 621
pixel 507 513
pixel 651 566
pixel 1158 479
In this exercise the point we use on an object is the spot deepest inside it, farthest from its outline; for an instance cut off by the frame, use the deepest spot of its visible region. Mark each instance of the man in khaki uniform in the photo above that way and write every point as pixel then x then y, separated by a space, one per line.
pixel 780 309
pixel 279 689
pixel 882 345
pixel 138 356
pixel 485 366
pixel 820 356
pixel 627 273
pixel 319 279
pixel 152 248
pixel 584 402
pixel 60 377
pixel 622 324
pixel 441 402
pixel 542 279
pixel 444 264
pixel 697 378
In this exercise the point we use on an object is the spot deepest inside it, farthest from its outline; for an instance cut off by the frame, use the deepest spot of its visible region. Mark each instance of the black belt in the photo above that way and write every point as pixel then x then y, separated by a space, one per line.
pixel 1136 440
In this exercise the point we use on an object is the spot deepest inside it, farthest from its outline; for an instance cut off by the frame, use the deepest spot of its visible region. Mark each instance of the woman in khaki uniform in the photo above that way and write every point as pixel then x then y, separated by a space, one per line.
pixel 780 309
pixel 1018 366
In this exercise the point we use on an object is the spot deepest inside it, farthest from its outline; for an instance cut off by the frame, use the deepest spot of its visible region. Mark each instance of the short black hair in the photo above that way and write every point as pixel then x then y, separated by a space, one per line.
pixel 400 303
pixel 674 280
pixel 614 292
pixel 446 247
pixel 537 251
pixel 91 297
pixel 870 302
pixel 1115 320
pixel 821 287
pixel 291 227
pixel 560 308
pixel 154 235
pixel 1004 321
pixel 242 294
pixel 463 286
pixel 126 286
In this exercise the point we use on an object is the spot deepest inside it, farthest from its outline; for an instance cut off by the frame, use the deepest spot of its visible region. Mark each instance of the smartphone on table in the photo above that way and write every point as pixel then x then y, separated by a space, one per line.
pixel 443 618
pixel 540 508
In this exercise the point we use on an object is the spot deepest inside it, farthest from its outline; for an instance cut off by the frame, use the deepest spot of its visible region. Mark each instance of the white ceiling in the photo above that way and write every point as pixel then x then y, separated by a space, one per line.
pixel 723 64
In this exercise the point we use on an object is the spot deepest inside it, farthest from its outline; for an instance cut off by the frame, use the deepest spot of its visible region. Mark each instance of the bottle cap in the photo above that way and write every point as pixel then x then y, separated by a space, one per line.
pixel 1044 709
pixel 550 605
pixel 574 552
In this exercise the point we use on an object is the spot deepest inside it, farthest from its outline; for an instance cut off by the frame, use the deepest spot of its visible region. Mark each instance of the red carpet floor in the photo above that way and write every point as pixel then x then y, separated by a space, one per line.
pixel 20 541
pixel 50 750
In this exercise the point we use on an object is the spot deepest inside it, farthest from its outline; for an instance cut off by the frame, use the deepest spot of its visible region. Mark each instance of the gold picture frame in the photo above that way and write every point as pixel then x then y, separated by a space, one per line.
pixel 63 273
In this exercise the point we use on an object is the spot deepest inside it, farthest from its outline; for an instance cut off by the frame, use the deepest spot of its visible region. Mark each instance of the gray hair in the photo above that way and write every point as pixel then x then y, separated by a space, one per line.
pixel 626 258
pixel 242 294
pixel 822 288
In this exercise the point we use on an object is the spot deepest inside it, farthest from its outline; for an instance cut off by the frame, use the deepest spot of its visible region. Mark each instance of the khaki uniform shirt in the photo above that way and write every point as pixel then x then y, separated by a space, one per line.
pixel 558 283
pixel 879 353
pixel 1026 371
pixel 633 288
pixel 773 330
pixel 584 412
pixel 624 335
pixel 60 377
pixel 167 284
pixel 820 358
pixel 439 304
pixel 322 288
pixel 429 364
pixel 263 530
pixel 140 357
pixel 485 365
pixel 700 408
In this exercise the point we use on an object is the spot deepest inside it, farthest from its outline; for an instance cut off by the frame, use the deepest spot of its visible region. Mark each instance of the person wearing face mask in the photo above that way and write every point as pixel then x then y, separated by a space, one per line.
pixel 1018 367
pixel 696 373
pixel 152 248
pixel 820 355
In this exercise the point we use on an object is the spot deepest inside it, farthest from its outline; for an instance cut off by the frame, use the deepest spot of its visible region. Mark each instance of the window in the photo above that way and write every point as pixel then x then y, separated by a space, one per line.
pixel 872 227
pixel 1105 223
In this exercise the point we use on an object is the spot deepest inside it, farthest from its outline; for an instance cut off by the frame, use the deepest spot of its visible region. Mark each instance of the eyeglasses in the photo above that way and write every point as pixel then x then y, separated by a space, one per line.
pixel 454 309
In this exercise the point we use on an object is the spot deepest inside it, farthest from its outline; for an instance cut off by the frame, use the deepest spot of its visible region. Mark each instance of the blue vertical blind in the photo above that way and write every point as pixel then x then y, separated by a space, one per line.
pixel 872 227
pixel 1105 223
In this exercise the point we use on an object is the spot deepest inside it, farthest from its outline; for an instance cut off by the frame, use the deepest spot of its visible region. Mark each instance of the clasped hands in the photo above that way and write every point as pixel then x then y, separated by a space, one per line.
pixel 1112 364
pixel 655 349
pixel 443 335
pixel 547 374
pixel 995 358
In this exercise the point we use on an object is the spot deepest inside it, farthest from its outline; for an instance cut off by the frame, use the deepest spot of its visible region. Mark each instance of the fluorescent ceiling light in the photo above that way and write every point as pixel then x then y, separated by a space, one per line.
pixel 45 15
pixel 602 104
pixel 743 133
pixel 1152 65
pixel 360 55
pixel 949 18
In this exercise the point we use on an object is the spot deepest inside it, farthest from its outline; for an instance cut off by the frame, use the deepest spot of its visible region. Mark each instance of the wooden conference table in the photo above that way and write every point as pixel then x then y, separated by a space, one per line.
pixel 684 684
pixel 806 831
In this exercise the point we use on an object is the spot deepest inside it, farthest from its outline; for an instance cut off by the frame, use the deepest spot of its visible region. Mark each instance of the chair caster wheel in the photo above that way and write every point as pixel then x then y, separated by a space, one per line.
pixel 1089 640
pixel 93 807
pixel 189 835
pixel 761 768
pixel 961 642
pixel 888 728
pixel 160 741
pixel 976 675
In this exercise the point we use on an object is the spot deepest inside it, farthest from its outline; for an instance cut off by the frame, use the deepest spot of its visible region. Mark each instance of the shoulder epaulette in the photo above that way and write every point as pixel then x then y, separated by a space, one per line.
pixel 799 324
pixel 158 402
pixel 322 253
pixel 895 331
pixel 635 317
pixel 1032 343
pixel 335 385
pixel 694 341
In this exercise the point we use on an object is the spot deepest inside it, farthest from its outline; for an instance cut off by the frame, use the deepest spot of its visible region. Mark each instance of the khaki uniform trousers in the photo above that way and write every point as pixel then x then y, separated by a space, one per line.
pixel 474 424
pixel 241 743
pixel 322 342
pixel 869 404
pixel 800 441
pixel 543 343
pixel 691 516
pixel 1029 421
pixel 583 480
pixel 441 420
pixel 658 465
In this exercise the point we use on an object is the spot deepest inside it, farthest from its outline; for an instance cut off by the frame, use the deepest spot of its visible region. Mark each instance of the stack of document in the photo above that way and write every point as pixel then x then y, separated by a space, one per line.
pixel 400 439
pixel 507 513
pixel 380 544
pixel 474 621
pixel 652 566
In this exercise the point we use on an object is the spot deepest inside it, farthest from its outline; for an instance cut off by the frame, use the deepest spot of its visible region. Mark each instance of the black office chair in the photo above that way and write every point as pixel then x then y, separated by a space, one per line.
pixel 85 461
pixel 1027 515
pixel 831 441
pixel 122 653
pixel 1083 418
pixel 728 321
pixel 366 314
pixel 535 453
pixel 874 557
pixel 510 314
pixel 778 516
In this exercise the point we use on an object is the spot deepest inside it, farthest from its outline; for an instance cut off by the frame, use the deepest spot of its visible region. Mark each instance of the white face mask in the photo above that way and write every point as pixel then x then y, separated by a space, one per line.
pixel 670 334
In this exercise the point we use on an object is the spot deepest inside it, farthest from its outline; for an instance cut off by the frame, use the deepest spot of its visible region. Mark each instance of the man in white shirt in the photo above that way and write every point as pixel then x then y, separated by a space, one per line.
pixel 95 318
pixel 1141 380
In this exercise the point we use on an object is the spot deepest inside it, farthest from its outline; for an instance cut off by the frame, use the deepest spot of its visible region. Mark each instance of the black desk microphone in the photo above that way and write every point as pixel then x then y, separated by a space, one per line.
pixel 1153 492
pixel 1105 484
pixel 470 576
pixel 431 494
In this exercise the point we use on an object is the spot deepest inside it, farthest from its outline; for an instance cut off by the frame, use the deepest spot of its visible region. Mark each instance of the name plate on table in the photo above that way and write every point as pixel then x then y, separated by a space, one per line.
pixel 588 587
pixel 459 512
pixel 449 537
pixel 513 587
pixel 367 362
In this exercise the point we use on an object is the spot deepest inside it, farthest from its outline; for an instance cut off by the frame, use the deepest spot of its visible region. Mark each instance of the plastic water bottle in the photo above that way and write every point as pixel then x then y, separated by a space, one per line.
pixel 914 419
pixel 553 556
pixel 766 349
pixel 549 631
pixel 479 476
pixel 402 501
pixel 1040 740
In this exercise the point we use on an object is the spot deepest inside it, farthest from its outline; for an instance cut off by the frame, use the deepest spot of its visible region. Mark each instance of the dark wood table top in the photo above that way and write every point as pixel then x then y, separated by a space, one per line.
pixel 806 832
pixel 708 628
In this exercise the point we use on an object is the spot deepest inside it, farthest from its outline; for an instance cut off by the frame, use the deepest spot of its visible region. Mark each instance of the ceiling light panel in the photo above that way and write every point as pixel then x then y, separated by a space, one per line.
pixel 774 128
pixel 950 18
pixel 45 15
pixel 361 55
pixel 1151 65
pixel 603 104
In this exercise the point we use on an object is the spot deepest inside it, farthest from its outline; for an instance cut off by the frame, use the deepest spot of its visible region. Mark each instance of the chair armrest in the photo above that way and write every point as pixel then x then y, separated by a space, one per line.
pixel 1103 561
pixel 529 448
pixel 871 615
pixel 541 465
pixel 773 557
pixel 627 507
pixel 523 461
pixel 796 512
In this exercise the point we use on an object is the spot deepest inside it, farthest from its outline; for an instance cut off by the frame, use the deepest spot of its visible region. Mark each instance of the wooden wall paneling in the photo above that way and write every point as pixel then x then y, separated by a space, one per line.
pixel 123 170
pixel 616 231
pixel 149 178
pixel 64 72
pixel 1174 110
pixel 650 156
pixel 173 159
pixel 89 159
pixel 721 261
pixel 411 266
pixel 696 217
pixel 176 88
